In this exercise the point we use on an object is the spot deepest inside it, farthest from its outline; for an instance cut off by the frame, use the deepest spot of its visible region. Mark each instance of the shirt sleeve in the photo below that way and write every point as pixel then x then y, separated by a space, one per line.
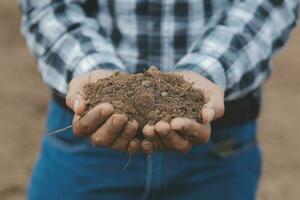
pixel 235 52
pixel 65 40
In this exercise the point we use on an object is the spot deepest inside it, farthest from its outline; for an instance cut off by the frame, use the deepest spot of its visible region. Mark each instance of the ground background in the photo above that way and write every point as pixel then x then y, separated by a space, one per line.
pixel 23 100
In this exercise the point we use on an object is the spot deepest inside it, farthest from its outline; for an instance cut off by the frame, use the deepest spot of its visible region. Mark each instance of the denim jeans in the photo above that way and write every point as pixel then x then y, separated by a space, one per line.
pixel 227 168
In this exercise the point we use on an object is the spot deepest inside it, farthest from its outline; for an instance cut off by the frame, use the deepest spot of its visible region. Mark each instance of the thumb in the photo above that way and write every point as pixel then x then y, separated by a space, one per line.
pixel 213 108
pixel 79 105
pixel 208 112
pixel 75 98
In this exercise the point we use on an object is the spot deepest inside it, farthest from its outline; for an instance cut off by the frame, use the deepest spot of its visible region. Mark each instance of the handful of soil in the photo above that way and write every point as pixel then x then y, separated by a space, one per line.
pixel 147 97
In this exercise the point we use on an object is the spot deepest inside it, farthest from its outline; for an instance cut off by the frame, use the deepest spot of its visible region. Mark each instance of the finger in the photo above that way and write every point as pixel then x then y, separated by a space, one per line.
pixel 152 136
pixel 171 139
pixel 196 132
pixel 127 134
pixel 147 147
pixel 92 120
pixel 75 98
pixel 149 132
pixel 214 107
pixel 107 133
pixel 134 146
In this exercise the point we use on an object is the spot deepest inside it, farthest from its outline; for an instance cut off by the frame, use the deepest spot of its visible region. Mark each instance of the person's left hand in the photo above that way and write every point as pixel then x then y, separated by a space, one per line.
pixel 181 133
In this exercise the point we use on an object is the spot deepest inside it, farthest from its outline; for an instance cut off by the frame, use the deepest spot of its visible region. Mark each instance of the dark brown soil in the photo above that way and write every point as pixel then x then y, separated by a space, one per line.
pixel 148 97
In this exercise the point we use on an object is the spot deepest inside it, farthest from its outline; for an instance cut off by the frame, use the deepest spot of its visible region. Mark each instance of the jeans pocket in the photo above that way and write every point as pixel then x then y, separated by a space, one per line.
pixel 233 141
pixel 231 148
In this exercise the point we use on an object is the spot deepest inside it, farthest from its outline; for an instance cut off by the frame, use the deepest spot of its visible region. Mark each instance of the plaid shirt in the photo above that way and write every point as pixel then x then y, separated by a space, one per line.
pixel 230 42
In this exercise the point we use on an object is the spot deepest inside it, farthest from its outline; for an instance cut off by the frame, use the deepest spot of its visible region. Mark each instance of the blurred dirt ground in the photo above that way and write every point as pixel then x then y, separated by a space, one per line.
pixel 23 99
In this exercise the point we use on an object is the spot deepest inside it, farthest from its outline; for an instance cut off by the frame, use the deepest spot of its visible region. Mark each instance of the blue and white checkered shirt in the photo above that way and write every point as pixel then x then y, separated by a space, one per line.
pixel 230 42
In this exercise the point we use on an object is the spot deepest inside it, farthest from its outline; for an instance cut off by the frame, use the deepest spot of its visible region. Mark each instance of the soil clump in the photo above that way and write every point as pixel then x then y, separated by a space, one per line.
pixel 147 97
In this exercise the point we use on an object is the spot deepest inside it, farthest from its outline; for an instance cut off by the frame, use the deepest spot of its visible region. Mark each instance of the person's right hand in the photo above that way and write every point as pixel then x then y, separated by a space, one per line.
pixel 100 123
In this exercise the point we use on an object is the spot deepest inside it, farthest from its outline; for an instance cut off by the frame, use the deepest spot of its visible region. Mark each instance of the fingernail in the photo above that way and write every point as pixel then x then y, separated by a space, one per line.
pixel 149 134
pixel 147 147
pixel 134 143
pixel 96 142
pixel 177 127
pixel 117 121
pixel 76 104
pixel 164 132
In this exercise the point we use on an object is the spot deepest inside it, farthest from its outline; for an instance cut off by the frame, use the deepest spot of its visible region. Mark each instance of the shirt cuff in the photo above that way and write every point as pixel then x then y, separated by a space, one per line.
pixel 206 65
pixel 98 61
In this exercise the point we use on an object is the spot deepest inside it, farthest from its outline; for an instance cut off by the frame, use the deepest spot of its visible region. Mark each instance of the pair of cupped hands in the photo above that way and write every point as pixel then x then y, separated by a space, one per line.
pixel 116 131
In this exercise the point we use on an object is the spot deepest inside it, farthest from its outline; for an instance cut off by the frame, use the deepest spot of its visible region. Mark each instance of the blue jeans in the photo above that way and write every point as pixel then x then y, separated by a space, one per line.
pixel 227 168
